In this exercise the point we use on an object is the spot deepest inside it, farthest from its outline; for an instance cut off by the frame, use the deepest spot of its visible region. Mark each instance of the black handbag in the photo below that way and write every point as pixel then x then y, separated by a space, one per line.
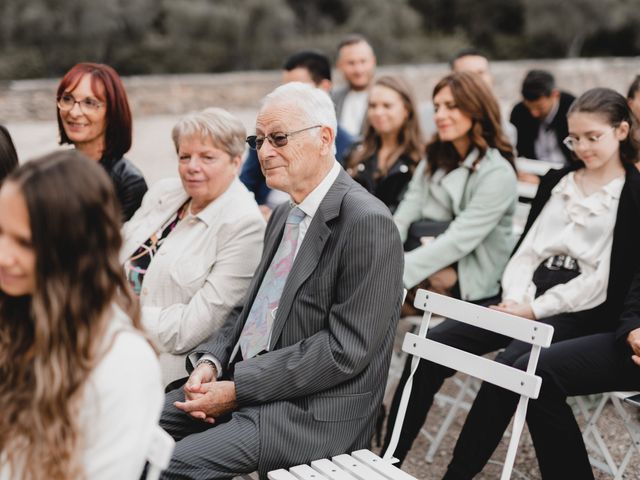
pixel 424 228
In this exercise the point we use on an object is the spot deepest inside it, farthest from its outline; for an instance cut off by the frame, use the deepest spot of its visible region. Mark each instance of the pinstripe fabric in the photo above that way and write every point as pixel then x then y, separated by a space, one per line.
pixel 320 386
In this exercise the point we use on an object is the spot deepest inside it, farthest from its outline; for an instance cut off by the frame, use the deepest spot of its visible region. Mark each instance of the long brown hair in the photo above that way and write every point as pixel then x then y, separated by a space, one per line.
pixel 474 98
pixel 51 340
pixel 409 136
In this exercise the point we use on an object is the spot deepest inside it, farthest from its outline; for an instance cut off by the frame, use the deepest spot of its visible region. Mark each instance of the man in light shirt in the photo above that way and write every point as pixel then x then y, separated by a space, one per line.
pixel 296 374
pixel 357 63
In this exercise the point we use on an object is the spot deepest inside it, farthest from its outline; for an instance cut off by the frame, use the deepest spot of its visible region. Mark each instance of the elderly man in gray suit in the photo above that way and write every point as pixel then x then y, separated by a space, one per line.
pixel 299 373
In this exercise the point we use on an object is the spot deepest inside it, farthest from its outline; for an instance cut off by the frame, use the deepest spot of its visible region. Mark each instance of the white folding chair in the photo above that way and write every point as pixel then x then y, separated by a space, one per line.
pixel 159 453
pixel 526 383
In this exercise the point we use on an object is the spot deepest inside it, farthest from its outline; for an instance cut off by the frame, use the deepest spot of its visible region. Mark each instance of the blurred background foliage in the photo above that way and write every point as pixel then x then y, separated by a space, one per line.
pixel 43 38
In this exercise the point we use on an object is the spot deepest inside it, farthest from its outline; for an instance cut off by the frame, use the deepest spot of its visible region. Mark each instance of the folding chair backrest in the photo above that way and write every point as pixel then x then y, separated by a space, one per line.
pixel 526 384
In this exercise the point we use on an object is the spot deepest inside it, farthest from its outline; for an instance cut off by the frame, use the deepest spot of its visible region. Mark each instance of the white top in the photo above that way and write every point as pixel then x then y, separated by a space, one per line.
pixel 201 271
pixel 546 144
pixel 121 407
pixel 354 108
pixel 569 224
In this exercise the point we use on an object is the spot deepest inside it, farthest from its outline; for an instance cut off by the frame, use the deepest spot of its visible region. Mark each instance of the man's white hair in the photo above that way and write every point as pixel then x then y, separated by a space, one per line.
pixel 315 104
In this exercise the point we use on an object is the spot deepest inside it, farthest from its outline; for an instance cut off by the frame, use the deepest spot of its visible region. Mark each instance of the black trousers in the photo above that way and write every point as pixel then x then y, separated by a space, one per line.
pixel 580 361
pixel 579 366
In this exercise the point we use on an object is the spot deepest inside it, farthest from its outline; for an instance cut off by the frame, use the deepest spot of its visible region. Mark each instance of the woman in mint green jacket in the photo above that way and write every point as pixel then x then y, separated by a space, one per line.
pixel 468 179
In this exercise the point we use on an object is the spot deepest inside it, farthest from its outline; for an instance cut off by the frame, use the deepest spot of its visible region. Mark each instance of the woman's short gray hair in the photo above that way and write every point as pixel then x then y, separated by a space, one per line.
pixel 315 103
pixel 224 129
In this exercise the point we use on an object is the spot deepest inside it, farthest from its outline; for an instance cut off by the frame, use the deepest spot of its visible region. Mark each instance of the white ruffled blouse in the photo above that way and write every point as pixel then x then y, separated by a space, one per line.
pixel 569 224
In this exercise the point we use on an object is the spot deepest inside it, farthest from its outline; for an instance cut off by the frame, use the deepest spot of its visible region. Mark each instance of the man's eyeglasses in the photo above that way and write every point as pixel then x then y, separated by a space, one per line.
pixel 88 105
pixel 276 139
pixel 573 142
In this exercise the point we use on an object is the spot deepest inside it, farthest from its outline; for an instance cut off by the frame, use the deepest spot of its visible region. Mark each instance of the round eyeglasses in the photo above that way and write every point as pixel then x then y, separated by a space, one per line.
pixel 276 139
pixel 88 105
pixel 574 142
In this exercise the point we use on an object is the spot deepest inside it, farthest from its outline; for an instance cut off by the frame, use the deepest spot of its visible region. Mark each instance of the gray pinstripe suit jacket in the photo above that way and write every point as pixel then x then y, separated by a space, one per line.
pixel 320 386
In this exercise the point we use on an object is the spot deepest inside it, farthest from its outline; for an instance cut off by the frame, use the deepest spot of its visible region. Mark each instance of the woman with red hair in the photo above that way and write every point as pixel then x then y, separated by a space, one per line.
pixel 94 116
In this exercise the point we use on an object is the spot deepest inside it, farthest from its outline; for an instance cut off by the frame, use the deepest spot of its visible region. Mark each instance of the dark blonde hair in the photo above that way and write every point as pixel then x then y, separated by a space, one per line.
pixel 409 136
pixel 51 340
pixel 474 98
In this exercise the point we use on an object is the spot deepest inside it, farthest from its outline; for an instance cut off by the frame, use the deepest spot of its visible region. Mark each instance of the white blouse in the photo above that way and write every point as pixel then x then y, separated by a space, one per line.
pixel 569 224
pixel 120 408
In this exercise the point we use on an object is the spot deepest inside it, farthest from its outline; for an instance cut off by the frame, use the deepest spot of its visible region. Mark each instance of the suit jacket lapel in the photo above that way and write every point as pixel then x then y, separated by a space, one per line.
pixel 310 251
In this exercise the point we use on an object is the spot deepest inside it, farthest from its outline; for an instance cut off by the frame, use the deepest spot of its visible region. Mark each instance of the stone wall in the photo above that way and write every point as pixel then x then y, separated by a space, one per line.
pixel 28 100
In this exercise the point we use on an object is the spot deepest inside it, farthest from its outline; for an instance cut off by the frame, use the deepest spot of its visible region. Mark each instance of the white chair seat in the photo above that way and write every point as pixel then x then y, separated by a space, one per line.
pixel 360 465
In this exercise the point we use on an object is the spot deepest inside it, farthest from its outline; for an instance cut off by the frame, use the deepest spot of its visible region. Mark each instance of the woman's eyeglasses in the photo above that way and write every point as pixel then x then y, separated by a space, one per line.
pixel 276 139
pixel 573 142
pixel 88 105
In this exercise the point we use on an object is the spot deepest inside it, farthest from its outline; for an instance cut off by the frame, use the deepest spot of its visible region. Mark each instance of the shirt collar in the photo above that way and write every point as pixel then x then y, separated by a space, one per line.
pixel 551 115
pixel 312 201
pixel 211 211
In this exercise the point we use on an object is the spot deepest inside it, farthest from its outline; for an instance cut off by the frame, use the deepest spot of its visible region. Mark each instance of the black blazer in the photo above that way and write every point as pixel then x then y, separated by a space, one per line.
pixel 625 252
pixel 528 127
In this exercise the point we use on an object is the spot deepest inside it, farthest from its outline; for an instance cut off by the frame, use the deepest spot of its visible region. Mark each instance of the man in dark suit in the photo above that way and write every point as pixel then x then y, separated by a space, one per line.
pixel 299 373
pixel 306 66
pixel 541 119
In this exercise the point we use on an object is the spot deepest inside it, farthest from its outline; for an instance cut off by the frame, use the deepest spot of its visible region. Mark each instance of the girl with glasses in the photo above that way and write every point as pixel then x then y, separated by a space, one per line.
pixel 94 115
pixel 80 390
pixel 572 269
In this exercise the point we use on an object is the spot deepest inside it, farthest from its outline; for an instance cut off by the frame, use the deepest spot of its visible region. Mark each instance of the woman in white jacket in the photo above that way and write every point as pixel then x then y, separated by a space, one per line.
pixel 80 390
pixel 191 249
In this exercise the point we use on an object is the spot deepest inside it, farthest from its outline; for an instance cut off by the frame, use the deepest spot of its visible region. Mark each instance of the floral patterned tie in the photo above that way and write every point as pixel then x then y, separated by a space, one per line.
pixel 257 329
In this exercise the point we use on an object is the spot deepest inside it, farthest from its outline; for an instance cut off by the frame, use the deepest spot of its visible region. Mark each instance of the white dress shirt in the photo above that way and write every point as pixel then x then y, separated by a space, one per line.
pixel 354 108
pixel 569 224
pixel 546 144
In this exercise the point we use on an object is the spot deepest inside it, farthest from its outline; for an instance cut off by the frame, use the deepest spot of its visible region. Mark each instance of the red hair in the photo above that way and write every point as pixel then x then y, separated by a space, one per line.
pixel 107 87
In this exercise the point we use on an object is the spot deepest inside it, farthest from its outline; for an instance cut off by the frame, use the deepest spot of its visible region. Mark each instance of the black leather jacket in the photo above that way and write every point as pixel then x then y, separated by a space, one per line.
pixel 129 183
pixel 390 188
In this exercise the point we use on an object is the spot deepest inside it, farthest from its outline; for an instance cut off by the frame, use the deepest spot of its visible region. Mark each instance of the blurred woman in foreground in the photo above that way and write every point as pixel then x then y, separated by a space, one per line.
pixel 80 390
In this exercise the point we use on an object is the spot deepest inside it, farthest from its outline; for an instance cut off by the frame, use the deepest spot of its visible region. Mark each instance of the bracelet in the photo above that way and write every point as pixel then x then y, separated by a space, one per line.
pixel 208 362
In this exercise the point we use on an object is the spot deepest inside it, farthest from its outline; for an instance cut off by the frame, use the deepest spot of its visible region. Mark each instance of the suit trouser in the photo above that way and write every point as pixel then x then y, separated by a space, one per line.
pixel 493 407
pixel 205 451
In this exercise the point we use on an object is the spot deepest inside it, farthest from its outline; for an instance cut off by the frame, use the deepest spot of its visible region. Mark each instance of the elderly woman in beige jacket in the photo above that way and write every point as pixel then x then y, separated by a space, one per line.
pixel 191 249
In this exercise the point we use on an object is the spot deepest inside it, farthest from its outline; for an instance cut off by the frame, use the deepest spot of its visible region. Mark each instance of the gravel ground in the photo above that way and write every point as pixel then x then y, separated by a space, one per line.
pixel 610 425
